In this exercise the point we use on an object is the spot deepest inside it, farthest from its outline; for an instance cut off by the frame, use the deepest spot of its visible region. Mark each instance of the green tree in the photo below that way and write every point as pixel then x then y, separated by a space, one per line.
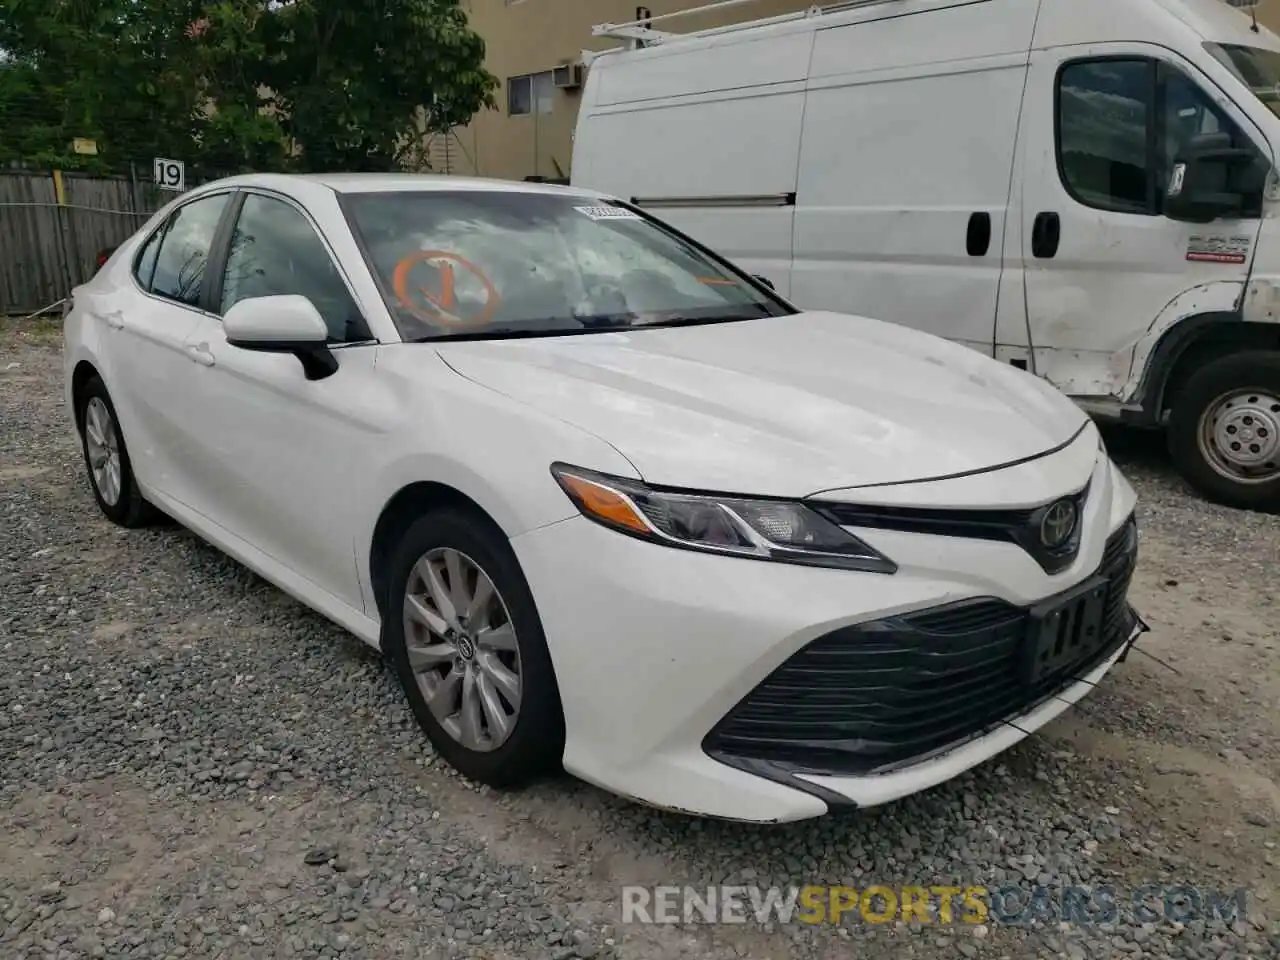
pixel 235 84
pixel 239 128
pixel 30 116
pixel 129 74
pixel 352 80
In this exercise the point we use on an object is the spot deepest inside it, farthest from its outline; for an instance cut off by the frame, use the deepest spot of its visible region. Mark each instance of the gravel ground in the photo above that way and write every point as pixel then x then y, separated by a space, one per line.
pixel 193 765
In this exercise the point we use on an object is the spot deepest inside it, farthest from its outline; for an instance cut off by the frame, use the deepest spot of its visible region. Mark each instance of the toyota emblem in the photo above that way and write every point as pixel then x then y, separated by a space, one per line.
pixel 1058 524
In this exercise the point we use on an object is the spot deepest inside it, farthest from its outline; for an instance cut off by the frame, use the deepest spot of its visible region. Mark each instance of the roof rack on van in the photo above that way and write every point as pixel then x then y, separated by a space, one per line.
pixel 641 32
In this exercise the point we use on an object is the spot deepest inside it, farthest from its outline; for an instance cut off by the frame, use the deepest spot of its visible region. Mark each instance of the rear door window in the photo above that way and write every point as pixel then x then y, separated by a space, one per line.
pixel 145 265
pixel 184 251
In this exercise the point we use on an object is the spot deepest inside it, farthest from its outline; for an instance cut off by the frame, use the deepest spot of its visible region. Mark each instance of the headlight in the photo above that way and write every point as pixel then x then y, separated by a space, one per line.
pixel 780 530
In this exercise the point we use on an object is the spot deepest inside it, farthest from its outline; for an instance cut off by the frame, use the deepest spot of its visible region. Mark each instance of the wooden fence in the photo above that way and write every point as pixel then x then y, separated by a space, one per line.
pixel 52 226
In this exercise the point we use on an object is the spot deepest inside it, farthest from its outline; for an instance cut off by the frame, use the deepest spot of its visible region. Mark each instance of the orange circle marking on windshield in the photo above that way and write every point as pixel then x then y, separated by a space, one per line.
pixel 442 305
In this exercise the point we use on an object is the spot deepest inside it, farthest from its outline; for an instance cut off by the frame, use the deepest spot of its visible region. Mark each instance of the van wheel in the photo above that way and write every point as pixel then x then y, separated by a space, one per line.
pixel 464 636
pixel 1224 431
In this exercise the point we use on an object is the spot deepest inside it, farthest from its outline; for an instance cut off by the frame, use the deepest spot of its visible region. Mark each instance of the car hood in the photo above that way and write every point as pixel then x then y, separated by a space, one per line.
pixel 781 406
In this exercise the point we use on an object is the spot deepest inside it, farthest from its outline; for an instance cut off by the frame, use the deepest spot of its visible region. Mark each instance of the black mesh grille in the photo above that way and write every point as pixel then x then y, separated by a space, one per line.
pixel 885 693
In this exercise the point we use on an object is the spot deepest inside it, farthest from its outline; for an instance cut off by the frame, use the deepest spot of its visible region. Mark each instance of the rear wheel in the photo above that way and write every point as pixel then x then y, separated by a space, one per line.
pixel 107 461
pixel 464 636
pixel 1224 431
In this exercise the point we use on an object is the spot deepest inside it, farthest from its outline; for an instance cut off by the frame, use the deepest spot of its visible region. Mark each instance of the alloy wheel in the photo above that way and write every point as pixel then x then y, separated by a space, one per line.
pixel 102 441
pixel 462 649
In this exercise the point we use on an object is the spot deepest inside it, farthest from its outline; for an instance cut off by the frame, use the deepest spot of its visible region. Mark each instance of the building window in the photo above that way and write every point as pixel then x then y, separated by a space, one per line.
pixel 532 93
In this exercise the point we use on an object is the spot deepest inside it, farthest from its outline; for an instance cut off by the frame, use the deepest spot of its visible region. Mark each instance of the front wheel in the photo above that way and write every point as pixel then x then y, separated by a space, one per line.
pixel 465 638
pixel 1224 431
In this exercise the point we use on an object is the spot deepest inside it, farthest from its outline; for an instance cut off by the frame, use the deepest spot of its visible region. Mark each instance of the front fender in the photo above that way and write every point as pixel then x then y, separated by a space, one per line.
pixel 1262 300
pixel 1215 299
pixel 496 452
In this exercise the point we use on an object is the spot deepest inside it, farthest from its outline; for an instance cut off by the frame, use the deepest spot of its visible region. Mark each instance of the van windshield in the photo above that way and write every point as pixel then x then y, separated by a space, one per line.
pixel 1259 69
pixel 492 264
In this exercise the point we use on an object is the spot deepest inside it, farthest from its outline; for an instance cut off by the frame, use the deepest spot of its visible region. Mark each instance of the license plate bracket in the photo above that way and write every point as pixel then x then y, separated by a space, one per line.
pixel 1065 630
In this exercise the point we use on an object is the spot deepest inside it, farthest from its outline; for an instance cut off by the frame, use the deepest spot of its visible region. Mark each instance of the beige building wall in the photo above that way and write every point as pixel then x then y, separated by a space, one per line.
pixel 1268 14
pixel 524 38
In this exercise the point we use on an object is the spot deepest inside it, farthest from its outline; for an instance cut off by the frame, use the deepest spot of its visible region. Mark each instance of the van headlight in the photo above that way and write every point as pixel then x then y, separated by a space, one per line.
pixel 761 529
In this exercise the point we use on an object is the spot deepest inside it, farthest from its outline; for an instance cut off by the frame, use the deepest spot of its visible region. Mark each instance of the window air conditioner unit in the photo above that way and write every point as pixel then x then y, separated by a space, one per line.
pixel 567 76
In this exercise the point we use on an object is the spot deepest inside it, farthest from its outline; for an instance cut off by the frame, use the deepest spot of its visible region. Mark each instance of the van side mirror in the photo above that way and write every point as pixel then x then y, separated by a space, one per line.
pixel 764 280
pixel 285 323
pixel 1210 179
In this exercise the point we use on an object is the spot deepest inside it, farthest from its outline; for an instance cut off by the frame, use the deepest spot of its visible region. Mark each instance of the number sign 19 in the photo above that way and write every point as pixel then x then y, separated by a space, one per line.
pixel 170 174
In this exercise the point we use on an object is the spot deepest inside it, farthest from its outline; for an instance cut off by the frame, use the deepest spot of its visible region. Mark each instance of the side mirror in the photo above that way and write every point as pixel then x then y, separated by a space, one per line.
pixel 765 280
pixel 1210 179
pixel 288 323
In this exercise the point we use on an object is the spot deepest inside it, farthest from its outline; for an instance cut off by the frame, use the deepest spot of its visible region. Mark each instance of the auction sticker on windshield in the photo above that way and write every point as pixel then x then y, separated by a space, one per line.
pixel 607 213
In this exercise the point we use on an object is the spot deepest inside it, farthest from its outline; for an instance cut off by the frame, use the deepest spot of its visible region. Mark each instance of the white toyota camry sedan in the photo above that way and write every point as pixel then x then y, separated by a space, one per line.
pixel 603 500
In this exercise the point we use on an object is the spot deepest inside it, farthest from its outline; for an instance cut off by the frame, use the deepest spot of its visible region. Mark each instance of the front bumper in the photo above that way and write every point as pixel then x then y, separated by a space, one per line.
pixel 886 694
pixel 658 652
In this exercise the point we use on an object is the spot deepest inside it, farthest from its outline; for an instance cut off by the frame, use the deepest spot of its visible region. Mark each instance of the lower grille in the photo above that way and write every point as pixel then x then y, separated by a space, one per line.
pixel 879 695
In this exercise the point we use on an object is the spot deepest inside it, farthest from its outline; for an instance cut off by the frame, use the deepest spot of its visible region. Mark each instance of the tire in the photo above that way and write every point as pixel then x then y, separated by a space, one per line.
pixel 534 744
pixel 1224 430
pixel 121 501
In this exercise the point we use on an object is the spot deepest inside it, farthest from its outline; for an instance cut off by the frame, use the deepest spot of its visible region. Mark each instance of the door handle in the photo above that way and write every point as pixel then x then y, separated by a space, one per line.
pixel 977 239
pixel 113 318
pixel 1046 231
pixel 200 354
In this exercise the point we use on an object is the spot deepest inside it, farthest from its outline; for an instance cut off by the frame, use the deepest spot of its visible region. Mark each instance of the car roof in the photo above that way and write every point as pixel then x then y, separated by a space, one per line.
pixel 396 182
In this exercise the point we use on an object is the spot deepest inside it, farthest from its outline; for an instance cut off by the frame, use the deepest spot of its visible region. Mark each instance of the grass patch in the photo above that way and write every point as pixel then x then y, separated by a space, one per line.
pixel 43 331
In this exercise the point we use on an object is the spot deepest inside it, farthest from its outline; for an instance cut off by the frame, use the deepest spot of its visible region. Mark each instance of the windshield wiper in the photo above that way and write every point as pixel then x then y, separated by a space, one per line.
pixel 600 323
pixel 608 321
pixel 544 327
pixel 496 333
pixel 695 321
pixel 632 321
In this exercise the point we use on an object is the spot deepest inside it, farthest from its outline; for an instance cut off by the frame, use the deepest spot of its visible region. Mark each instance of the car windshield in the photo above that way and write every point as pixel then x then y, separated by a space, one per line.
pixel 498 263
pixel 1257 68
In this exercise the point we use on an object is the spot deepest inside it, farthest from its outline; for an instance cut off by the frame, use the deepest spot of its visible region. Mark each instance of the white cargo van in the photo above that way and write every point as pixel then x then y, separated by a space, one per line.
pixel 1084 188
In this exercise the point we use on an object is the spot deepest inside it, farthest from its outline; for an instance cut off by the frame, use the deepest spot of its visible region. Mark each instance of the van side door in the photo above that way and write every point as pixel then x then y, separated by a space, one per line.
pixel 910 130
pixel 704 137
pixel 1101 127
